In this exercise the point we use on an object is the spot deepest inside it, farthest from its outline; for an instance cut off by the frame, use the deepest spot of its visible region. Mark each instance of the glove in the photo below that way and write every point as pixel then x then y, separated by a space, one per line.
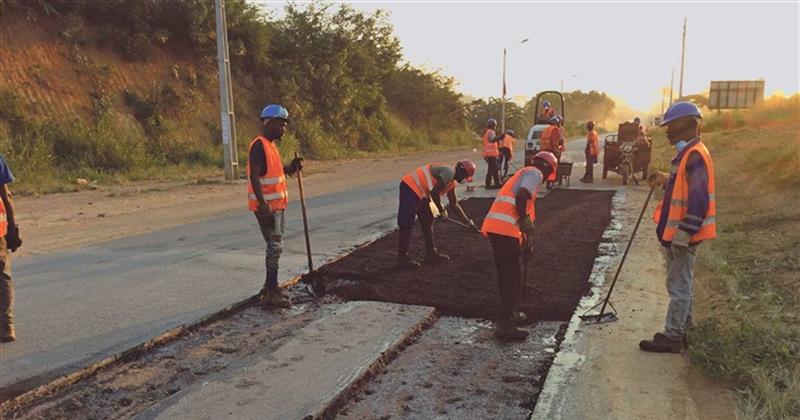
pixel 657 179
pixel 443 215
pixel 681 239
pixel 527 250
pixel 526 225
pixel 296 165
pixel 266 215
pixel 13 241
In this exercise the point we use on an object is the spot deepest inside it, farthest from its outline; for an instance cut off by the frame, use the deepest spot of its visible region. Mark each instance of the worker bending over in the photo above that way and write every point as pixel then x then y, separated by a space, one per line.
pixel 267 196
pixel 418 190
pixel 509 226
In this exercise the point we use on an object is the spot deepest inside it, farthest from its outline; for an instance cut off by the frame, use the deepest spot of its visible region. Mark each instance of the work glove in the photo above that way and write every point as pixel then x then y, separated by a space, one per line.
pixel 658 179
pixel 266 215
pixel 526 225
pixel 295 165
pixel 681 239
pixel 443 215
pixel 13 240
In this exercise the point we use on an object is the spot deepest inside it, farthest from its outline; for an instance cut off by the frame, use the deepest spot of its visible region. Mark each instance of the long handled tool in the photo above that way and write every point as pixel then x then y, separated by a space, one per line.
pixel 316 285
pixel 604 317
pixel 464 225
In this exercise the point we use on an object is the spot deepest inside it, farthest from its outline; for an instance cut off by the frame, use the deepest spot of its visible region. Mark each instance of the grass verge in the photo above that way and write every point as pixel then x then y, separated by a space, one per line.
pixel 747 289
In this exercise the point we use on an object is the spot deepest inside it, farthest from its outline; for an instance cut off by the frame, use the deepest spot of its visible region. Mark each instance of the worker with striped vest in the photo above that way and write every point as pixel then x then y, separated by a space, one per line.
pixel 685 217
pixel 509 227
pixel 420 195
pixel 267 196
pixel 9 242
pixel 491 154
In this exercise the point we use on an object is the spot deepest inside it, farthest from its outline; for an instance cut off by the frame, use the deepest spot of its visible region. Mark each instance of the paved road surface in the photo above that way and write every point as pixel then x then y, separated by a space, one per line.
pixel 79 306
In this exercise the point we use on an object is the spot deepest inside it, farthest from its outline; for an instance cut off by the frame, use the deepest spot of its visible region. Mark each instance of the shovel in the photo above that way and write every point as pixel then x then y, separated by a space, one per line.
pixel 315 284
pixel 604 316
pixel 435 212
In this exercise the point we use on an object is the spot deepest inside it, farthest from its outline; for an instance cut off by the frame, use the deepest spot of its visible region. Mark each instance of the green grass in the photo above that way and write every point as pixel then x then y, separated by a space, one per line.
pixel 747 289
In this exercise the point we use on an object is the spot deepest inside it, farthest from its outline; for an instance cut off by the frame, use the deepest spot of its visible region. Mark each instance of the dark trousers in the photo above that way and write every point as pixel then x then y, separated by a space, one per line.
pixel 589 167
pixel 505 159
pixel 411 208
pixel 493 173
pixel 506 258
pixel 6 289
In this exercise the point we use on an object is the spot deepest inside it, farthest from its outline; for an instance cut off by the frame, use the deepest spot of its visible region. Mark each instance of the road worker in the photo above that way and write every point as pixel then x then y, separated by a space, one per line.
pixel 562 137
pixel 491 153
pixel 548 111
pixel 421 188
pixel 685 218
pixel 9 241
pixel 268 196
pixel 591 151
pixel 548 142
pixel 509 227
pixel 507 150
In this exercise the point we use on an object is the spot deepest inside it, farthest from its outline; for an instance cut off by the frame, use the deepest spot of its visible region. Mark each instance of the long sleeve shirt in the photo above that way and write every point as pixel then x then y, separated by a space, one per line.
pixel 697 178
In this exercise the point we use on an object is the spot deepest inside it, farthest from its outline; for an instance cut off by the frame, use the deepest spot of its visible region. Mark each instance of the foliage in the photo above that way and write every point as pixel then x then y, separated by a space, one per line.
pixel 480 111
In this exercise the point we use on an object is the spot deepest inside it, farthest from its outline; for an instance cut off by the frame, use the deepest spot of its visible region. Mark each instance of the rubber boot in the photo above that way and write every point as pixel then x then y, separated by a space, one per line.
pixel 273 296
pixel 403 260
pixel 506 330
pixel 7 332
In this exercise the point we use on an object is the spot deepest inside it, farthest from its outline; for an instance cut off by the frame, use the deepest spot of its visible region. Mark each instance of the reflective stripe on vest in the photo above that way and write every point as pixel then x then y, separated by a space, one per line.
pixel 415 179
pixel 679 203
pixel 3 219
pixel 489 147
pixel 272 183
pixel 503 217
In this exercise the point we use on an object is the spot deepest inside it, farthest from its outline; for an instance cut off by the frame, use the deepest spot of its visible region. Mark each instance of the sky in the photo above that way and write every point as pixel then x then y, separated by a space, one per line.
pixel 626 49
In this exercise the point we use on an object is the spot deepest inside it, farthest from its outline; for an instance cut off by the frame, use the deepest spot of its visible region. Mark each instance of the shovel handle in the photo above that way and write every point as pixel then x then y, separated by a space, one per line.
pixel 305 216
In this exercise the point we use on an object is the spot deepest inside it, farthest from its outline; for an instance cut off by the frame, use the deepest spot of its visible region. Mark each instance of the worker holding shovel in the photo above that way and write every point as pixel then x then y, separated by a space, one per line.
pixel 420 195
pixel 267 195
pixel 509 226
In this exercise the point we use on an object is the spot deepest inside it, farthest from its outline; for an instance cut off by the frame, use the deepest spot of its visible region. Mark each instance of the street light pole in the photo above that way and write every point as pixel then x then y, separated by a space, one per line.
pixel 683 54
pixel 503 93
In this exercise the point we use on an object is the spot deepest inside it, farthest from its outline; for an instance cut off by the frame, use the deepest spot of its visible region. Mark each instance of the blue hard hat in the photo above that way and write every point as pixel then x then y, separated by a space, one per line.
pixel 554 120
pixel 681 109
pixel 275 111
pixel 546 103
pixel 491 121
pixel 510 131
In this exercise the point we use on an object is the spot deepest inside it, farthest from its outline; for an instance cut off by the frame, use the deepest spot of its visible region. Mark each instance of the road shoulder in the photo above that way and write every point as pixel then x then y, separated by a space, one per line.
pixel 600 371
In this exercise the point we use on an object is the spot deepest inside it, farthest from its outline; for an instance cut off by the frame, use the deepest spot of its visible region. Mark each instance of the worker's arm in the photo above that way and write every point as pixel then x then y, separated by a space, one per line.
pixel 436 194
pixel 258 167
pixel 497 138
pixel 697 177
pixel 13 240
pixel 521 202
pixel 455 208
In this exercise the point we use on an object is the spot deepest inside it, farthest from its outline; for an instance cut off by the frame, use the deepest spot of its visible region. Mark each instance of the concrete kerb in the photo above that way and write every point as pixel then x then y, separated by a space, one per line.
pixel 569 359
pixel 18 397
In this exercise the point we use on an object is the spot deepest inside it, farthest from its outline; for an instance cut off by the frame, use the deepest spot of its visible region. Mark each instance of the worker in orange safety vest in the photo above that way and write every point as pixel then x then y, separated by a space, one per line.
pixel 591 151
pixel 267 196
pixel 509 227
pixel 491 153
pixel 684 219
pixel 507 150
pixel 421 189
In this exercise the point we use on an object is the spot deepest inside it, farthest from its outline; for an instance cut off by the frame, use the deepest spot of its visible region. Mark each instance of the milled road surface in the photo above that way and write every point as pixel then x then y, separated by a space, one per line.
pixel 80 306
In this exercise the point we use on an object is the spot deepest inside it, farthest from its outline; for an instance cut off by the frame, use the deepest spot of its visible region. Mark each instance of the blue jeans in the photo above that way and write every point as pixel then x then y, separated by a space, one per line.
pixel 680 282
pixel 273 237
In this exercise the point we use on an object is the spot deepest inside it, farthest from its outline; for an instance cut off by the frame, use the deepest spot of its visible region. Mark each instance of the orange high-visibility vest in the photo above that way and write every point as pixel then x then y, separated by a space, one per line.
pixel 508 142
pixel 546 139
pixel 679 204
pixel 422 182
pixel 489 147
pixel 3 218
pixel 592 141
pixel 503 218
pixel 273 183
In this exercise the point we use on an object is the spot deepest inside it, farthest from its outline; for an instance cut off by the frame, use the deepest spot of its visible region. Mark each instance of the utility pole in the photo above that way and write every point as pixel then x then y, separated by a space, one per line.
pixel 227 117
pixel 671 84
pixel 683 53
pixel 503 97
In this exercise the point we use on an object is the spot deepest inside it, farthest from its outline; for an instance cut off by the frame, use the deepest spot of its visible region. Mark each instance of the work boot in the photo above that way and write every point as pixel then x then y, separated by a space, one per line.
pixel 7 334
pixel 506 330
pixel 586 180
pixel 661 344
pixel 275 298
pixel 433 257
pixel 406 263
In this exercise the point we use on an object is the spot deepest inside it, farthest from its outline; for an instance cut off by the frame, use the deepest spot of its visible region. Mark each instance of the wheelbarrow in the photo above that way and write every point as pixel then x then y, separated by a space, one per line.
pixel 564 172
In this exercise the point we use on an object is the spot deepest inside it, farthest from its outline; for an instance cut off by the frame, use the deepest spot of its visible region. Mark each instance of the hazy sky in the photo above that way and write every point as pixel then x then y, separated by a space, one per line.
pixel 626 49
